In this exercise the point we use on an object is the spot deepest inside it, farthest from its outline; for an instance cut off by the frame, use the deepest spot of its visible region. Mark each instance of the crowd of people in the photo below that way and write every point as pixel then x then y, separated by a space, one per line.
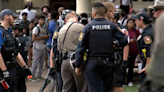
pixel 114 40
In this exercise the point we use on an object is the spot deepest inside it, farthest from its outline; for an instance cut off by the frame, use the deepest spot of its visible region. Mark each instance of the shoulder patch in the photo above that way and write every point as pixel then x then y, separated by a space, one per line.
pixel 147 40
pixel 55 35
pixel 125 31
pixel 81 36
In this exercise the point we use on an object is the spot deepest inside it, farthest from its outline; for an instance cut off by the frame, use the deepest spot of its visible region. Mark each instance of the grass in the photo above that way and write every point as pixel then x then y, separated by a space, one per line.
pixel 130 89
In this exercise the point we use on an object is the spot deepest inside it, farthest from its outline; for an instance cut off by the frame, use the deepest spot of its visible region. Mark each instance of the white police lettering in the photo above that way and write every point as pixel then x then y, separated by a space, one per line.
pixel 101 27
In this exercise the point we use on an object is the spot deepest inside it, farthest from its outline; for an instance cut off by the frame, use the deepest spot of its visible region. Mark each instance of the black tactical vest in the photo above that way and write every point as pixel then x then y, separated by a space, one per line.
pixel 101 41
pixel 8 50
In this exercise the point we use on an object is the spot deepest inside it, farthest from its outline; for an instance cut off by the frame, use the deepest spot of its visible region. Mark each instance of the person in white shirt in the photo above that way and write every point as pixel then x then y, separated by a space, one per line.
pixel 125 5
pixel 122 17
pixel 31 13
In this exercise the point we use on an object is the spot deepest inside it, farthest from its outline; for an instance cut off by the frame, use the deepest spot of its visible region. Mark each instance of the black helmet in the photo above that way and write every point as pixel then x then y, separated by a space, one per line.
pixel 65 12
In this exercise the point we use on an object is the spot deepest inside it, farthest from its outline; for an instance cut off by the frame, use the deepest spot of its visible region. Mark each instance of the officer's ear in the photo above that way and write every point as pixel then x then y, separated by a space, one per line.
pixel 141 19
pixel 6 17
pixel 65 21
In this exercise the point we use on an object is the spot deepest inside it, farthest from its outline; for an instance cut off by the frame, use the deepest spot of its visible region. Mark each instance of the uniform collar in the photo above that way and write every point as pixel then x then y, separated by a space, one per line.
pixel 147 28
pixel 99 19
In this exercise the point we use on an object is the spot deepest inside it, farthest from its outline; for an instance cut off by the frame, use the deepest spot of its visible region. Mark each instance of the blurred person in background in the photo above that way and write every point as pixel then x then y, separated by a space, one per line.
pixel 29 11
pixel 45 9
pixel 133 50
pixel 84 19
pixel 122 17
pixel 60 10
pixel 24 20
pixel 125 5
pixel 30 26
pixel 23 42
pixel 38 38
pixel 51 29
pixel 49 17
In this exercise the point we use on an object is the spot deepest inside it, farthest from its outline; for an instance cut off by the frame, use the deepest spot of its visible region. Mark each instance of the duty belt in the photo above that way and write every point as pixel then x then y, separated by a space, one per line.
pixel 100 58
pixel 66 55
pixel 10 63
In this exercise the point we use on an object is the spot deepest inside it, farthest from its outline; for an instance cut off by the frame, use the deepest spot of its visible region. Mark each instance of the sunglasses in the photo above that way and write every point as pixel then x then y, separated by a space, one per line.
pixel 157 9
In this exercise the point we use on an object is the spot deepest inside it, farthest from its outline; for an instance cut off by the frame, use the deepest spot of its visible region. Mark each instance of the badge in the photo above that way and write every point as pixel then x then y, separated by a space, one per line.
pixel 139 37
pixel 55 35
pixel 147 40
pixel 81 36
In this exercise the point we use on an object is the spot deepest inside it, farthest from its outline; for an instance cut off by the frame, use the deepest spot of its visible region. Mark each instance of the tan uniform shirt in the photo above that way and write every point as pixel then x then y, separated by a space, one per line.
pixel 71 38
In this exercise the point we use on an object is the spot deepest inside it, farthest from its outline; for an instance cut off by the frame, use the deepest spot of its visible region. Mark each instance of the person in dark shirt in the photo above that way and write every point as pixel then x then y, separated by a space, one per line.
pixel 23 42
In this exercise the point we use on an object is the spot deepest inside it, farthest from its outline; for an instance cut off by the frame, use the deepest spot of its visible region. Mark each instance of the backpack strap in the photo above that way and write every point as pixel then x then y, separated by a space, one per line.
pixel 123 21
pixel 67 31
pixel 38 30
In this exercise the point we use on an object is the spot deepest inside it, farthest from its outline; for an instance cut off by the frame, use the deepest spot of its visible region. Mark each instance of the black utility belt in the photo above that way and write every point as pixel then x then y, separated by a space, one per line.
pixel 10 63
pixel 103 61
pixel 66 55
pixel 99 58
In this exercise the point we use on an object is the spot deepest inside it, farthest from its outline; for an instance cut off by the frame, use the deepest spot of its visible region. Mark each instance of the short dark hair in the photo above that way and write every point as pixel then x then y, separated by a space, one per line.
pixel 84 15
pixel 130 19
pixel 97 7
pixel 24 13
pixel 45 7
pixel 41 17
pixel 54 14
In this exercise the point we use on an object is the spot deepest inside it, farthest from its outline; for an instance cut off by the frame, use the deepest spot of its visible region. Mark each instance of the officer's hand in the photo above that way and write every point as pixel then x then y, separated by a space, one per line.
pixel 51 72
pixel 124 64
pixel 6 75
pixel 78 71
pixel 27 71
pixel 143 70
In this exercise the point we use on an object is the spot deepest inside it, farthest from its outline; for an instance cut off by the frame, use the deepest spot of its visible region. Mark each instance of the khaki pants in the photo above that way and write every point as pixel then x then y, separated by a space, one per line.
pixel 71 81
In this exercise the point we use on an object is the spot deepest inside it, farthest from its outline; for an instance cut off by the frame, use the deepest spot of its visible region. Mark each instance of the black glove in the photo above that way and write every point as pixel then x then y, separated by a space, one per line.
pixel 52 72
pixel 27 71
pixel 6 75
pixel 124 64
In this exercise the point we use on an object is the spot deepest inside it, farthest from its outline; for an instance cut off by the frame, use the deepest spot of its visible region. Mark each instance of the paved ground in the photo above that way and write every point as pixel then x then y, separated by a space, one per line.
pixel 35 86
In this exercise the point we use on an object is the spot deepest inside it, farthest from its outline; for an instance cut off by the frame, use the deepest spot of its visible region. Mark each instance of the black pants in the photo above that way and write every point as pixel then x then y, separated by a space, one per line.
pixel 119 76
pixel 12 82
pixel 143 75
pixel 20 80
pixel 130 67
pixel 125 9
pixel 96 74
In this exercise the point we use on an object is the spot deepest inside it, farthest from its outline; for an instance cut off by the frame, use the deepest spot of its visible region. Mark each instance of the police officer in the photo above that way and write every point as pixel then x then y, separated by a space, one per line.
pixel 142 20
pixel 23 42
pixel 66 44
pixel 9 54
pixel 97 37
